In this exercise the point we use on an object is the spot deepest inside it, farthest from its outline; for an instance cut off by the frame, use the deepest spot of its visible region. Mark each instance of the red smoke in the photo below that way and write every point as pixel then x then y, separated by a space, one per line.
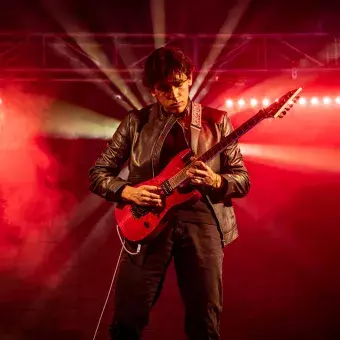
pixel 30 197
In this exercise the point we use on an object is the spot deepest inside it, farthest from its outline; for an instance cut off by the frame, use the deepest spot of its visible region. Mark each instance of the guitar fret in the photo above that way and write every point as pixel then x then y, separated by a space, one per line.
pixel 240 131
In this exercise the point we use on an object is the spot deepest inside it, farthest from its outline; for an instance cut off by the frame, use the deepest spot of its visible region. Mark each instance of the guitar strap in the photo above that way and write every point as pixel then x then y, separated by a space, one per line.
pixel 196 124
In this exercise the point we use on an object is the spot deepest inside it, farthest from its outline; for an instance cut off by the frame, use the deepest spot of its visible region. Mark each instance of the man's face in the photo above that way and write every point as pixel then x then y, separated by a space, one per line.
pixel 173 93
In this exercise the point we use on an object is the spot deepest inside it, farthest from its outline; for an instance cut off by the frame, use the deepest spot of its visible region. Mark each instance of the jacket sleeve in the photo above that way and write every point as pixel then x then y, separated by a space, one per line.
pixel 235 179
pixel 103 176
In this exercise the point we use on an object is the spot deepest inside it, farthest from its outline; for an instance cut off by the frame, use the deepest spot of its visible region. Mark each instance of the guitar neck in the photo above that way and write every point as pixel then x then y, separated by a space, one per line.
pixel 181 176
pixel 232 137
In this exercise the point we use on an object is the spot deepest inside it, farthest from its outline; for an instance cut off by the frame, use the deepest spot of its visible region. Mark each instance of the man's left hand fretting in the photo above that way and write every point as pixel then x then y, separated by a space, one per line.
pixel 201 174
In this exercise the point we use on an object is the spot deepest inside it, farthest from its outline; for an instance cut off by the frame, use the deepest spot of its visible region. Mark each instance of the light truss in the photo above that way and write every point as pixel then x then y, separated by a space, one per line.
pixel 57 57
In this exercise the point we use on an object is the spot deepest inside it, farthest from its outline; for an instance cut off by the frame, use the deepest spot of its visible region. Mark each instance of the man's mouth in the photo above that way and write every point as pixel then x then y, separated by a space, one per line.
pixel 176 104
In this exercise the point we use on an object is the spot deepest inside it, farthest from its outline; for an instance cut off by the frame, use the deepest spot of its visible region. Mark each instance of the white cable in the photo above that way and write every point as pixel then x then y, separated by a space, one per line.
pixel 123 244
pixel 108 294
pixel 113 278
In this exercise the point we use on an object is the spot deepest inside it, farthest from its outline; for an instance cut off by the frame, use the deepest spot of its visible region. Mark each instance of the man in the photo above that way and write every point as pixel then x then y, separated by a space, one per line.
pixel 196 233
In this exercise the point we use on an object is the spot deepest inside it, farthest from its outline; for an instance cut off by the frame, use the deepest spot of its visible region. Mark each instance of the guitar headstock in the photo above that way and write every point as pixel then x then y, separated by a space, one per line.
pixel 280 107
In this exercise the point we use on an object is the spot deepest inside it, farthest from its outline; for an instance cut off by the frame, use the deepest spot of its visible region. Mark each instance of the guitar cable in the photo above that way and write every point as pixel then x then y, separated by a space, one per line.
pixel 123 244
pixel 114 276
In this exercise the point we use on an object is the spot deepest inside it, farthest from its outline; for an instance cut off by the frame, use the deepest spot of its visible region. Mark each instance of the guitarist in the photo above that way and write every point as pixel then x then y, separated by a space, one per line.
pixel 197 232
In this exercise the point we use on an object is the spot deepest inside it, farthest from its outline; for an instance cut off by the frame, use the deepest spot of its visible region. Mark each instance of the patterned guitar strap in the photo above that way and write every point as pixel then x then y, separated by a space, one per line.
pixel 195 126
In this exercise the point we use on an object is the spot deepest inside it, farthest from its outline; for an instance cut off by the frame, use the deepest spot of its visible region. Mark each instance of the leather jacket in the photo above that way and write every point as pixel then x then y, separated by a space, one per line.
pixel 138 141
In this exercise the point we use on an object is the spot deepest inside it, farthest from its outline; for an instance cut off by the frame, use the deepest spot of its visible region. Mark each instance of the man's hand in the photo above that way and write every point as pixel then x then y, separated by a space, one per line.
pixel 145 195
pixel 201 174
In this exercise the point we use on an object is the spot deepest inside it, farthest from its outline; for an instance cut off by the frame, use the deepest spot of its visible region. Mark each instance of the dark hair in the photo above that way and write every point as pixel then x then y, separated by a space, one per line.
pixel 164 62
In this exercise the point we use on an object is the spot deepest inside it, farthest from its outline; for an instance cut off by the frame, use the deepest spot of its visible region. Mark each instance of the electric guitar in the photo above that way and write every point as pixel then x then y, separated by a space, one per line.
pixel 140 223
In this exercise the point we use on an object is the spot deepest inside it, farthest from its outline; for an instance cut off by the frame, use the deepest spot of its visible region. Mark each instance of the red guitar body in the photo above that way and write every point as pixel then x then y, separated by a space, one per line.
pixel 138 223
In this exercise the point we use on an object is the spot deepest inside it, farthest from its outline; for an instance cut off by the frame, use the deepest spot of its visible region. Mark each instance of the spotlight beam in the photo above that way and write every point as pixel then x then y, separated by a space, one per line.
pixel 128 59
pixel 69 121
pixel 221 40
pixel 92 49
pixel 81 67
pixel 158 21
pixel 231 55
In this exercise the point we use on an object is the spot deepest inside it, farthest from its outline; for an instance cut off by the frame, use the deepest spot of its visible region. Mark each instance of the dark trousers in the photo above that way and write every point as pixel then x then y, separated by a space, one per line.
pixel 197 253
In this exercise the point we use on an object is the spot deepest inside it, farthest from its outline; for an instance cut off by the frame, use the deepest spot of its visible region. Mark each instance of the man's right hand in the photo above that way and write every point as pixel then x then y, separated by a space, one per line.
pixel 145 195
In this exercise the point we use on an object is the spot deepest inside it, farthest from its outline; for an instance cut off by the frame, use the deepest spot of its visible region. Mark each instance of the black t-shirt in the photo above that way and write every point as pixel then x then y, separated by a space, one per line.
pixel 199 211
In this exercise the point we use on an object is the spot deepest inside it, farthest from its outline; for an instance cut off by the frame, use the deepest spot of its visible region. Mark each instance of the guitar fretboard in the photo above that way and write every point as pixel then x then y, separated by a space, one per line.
pixel 181 176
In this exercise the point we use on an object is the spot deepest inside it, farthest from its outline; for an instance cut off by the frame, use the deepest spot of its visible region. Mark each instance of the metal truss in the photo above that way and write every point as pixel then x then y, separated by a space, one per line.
pixel 85 57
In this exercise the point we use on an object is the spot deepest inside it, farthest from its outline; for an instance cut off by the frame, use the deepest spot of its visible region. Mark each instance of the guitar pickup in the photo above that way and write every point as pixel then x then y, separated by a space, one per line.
pixel 186 157
pixel 166 188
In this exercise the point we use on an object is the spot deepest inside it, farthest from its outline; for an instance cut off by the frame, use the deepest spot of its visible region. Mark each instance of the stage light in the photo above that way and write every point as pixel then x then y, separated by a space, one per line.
pixel 314 100
pixel 302 101
pixel 326 100
pixel 253 102
pixel 241 102
pixel 265 102
pixel 229 103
